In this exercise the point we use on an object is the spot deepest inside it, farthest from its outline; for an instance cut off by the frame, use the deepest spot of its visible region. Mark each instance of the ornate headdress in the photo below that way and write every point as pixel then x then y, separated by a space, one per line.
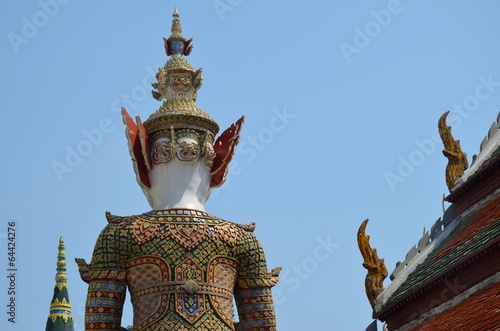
pixel 177 84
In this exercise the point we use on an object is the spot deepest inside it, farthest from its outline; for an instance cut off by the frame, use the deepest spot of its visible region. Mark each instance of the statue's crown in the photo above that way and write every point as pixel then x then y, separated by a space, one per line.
pixel 177 84
pixel 179 117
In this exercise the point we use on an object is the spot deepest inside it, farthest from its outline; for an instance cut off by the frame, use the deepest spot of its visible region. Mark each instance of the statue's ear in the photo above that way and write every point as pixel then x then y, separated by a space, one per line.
pixel 145 147
pixel 139 149
pixel 224 147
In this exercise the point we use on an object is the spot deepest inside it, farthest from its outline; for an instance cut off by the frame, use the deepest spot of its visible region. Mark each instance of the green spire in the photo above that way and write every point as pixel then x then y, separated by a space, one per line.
pixel 60 318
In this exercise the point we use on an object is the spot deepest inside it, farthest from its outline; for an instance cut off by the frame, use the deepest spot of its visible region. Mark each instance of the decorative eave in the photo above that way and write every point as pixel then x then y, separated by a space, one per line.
pixel 462 253
pixel 453 262
pixel 476 308
pixel 418 254
pixel 476 179
pixel 483 165
pixel 465 258
pixel 474 268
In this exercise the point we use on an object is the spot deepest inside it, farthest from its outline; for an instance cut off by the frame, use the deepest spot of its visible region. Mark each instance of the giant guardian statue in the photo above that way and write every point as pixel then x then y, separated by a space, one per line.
pixel 182 266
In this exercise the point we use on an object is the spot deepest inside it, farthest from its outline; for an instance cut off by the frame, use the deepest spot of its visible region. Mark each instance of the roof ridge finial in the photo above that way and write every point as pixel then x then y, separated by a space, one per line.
pixel 457 160
pixel 377 271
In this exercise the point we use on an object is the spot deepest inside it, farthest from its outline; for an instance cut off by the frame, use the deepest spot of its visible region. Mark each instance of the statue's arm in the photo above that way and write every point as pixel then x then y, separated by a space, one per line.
pixel 253 295
pixel 107 285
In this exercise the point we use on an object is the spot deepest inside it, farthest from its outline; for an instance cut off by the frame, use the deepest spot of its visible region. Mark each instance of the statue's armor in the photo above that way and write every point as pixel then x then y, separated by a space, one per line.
pixel 182 268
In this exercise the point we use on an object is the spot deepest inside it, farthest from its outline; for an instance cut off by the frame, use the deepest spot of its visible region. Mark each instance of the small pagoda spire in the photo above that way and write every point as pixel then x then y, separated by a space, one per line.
pixel 60 318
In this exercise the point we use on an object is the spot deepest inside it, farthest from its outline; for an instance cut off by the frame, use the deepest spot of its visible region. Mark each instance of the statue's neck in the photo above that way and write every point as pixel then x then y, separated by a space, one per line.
pixel 179 185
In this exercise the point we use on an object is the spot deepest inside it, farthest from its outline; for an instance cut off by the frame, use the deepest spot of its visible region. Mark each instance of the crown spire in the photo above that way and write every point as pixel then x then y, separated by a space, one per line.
pixel 60 318
pixel 176 23
pixel 176 45
pixel 177 87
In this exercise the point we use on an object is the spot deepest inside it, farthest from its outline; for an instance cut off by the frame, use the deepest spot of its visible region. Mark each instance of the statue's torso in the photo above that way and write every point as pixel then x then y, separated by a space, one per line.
pixel 181 267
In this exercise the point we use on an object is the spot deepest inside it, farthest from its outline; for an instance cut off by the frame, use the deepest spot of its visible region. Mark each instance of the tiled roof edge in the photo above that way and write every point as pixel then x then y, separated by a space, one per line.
pixel 488 146
pixel 491 132
pixel 492 280
pixel 429 284
pixel 449 225
pixel 415 256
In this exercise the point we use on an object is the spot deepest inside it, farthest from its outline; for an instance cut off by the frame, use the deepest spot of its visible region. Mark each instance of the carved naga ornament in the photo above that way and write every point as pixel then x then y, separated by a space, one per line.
pixel 377 272
pixel 457 160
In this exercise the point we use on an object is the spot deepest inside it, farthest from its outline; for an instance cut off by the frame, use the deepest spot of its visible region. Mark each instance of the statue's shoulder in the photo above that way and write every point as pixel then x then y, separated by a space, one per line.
pixel 232 233
pixel 244 227
pixel 164 216
pixel 241 229
pixel 236 226
pixel 115 219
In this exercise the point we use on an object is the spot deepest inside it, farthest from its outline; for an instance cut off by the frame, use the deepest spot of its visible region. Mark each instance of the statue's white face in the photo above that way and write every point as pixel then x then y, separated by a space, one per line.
pixel 180 176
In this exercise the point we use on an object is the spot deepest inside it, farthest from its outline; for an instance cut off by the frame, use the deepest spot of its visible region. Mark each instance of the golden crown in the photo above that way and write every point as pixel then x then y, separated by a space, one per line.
pixel 177 84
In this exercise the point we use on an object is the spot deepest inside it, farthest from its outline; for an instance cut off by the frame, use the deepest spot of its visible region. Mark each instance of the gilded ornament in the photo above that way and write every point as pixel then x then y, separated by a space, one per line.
pixel 377 271
pixel 457 160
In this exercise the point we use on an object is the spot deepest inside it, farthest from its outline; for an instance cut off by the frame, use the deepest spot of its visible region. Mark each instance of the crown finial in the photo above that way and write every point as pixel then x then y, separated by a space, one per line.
pixel 176 45
pixel 176 23
pixel 177 84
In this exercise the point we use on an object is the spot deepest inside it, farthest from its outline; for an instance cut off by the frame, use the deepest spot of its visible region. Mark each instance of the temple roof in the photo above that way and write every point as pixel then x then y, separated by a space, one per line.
pixel 60 318
pixel 468 232
pixel 475 313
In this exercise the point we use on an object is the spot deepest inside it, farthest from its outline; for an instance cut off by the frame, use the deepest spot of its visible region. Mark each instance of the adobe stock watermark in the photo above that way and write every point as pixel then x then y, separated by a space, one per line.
pixel 31 26
pixel 291 279
pixel 222 7
pixel 75 155
pixel 94 137
pixel 252 145
pixel 427 146
pixel 363 36
pixel 452 287
pixel 137 94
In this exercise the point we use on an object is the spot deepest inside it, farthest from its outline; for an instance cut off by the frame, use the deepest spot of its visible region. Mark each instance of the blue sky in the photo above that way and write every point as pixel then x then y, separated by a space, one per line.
pixel 341 102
